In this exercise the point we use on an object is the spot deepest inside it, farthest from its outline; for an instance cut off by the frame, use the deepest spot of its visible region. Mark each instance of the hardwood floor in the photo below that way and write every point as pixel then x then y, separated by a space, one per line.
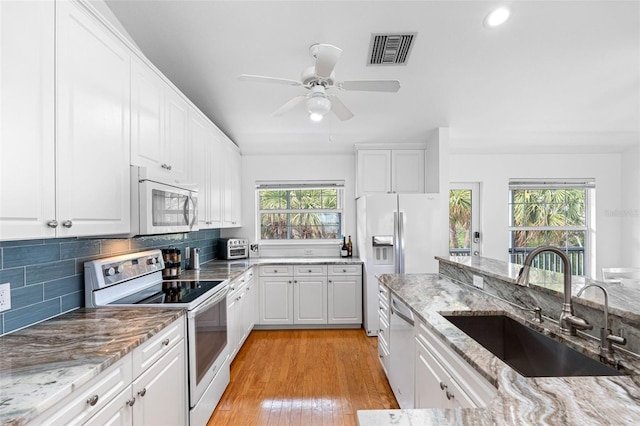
pixel 304 377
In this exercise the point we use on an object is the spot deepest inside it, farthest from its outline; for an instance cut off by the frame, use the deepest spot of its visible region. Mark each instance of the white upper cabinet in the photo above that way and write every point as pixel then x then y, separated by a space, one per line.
pixel 27 147
pixel 384 171
pixel 159 126
pixel 231 178
pixel 92 132
pixel 70 178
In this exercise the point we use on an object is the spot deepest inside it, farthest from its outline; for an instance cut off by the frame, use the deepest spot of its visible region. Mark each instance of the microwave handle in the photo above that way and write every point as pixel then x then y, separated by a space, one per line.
pixel 194 220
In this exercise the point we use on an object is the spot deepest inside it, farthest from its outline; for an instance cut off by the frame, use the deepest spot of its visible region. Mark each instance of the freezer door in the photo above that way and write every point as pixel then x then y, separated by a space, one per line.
pixel 419 232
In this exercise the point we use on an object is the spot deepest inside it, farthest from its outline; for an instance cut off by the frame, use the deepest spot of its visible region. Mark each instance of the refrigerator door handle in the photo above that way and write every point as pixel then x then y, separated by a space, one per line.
pixel 396 244
pixel 401 241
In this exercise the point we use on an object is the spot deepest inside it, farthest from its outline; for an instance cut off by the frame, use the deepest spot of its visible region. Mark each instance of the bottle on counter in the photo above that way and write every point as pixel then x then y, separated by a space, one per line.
pixel 349 248
pixel 344 251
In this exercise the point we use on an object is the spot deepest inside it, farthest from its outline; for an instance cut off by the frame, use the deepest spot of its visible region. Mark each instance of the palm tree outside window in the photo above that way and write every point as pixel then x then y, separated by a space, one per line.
pixel 550 213
pixel 300 211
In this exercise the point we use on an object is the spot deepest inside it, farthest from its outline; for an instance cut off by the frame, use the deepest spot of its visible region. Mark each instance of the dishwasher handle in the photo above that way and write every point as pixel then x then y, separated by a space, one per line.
pixel 396 309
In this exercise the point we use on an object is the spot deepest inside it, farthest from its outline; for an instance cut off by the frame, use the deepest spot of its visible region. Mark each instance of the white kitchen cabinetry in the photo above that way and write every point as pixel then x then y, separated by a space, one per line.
pixel 344 294
pixel 27 148
pixel 310 294
pixel 240 311
pixel 60 166
pixel 383 333
pixel 92 130
pixel 205 170
pixel 159 126
pixel 443 378
pixel 232 179
pixel 146 387
pixel 383 171
pixel 276 295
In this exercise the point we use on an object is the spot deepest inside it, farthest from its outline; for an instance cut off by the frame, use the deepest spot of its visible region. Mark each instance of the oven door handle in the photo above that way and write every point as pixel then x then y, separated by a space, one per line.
pixel 220 295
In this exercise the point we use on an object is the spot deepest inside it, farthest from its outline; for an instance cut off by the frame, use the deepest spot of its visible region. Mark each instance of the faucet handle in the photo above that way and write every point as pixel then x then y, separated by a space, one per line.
pixel 537 315
pixel 619 340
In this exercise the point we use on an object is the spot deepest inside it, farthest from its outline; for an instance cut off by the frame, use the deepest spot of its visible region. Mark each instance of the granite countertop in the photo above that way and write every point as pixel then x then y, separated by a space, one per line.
pixel 624 300
pixel 43 363
pixel 519 400
pixel 230 269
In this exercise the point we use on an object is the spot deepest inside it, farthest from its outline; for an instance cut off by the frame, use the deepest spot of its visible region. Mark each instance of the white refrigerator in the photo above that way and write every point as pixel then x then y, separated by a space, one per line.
pixel 397 233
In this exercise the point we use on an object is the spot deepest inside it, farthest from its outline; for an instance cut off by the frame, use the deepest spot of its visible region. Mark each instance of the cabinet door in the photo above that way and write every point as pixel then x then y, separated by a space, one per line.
pixel 232 327
pixel 117 412
pixel 232 185
pixel 374 171
pixel 176 145
pixel 408 170
pixel 161 393
pixel 147 116
pixel 345 300
pixel 430 384
pixel 92 142
pixel 215 158
pixel 310 300
pixel 276 300
pixel 27 173
pixel 249 306
pixel 199 171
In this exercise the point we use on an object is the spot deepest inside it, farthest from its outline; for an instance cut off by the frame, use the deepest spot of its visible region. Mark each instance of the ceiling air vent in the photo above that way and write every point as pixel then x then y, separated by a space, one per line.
pixel 390 49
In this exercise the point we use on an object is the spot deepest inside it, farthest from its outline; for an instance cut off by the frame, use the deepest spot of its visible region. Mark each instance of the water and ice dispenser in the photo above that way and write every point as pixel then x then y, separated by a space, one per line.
pixel 382 249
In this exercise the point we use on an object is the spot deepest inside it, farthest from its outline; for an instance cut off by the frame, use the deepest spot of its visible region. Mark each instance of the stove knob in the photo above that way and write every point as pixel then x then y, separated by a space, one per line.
pixel 152 261
pixel 120 269
pixel 109 272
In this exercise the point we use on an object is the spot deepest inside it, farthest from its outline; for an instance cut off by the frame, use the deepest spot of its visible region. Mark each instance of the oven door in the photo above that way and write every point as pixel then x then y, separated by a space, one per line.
pixel 166 209
pixel 207 336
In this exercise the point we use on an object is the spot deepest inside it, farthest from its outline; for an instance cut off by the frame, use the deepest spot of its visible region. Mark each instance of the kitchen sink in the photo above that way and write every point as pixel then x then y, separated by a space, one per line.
pixel 528 351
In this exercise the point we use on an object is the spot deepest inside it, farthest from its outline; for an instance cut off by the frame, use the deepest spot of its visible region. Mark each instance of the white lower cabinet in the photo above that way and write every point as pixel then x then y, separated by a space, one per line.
pixel 241 311
pixel 310 295
pixel 443 378
pixel 383 332
pixel 146 387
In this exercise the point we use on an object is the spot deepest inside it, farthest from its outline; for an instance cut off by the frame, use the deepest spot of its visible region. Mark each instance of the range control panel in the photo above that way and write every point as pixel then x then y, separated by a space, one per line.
pixel 113 270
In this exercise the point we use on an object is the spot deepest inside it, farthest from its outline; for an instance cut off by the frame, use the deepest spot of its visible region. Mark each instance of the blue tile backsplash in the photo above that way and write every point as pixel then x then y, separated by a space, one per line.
pixel 47 276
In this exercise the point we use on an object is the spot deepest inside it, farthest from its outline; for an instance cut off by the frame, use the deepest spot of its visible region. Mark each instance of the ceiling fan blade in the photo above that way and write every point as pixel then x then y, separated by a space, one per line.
pixel 326 58
pixel 263 79
pixel 370 85
pixel 289 105
pixel 340 109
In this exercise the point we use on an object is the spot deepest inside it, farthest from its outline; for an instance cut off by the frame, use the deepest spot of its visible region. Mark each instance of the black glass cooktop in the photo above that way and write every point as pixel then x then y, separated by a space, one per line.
pixel 169 292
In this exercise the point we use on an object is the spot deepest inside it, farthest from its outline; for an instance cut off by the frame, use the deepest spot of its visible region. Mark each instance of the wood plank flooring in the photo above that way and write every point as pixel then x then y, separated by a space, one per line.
pixel 304 377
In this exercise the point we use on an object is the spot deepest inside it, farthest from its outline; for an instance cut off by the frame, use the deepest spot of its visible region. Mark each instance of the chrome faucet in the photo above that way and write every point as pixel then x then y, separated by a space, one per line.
pixel 569 323
pixel 606 336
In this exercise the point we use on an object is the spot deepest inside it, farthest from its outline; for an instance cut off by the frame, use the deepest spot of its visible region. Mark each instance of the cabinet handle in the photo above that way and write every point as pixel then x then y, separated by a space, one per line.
pixel 52 224
pixel 309 270
pixel 67 224
pixel 442 386
pixel 295 281
pixel 289 281
pixel 166 166
pixel 93 400
pixel 131 402
pixel 143 392
pixel 275 271
pixel 330 281
pixel 450 396
pixel 165 342
pixel 344 270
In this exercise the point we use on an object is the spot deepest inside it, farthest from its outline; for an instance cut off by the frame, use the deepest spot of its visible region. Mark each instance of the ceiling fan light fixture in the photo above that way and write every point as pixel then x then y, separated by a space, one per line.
pixel 497 17
pixel 317 104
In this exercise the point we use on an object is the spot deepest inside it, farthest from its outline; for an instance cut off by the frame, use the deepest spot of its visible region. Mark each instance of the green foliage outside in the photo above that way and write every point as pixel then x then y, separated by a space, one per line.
pixel 299 214
pixel 459 218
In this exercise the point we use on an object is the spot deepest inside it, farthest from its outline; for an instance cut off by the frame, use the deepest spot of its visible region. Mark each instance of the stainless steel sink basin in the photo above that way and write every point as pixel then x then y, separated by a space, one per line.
pixel 527 351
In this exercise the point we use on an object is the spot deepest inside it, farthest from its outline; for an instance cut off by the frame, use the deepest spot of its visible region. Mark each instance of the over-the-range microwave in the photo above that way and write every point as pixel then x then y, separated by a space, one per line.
pixel 161 207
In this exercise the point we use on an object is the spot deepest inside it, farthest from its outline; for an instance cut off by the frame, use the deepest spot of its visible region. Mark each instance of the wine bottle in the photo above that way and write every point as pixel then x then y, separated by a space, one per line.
pixel 344 251
pixel 349 247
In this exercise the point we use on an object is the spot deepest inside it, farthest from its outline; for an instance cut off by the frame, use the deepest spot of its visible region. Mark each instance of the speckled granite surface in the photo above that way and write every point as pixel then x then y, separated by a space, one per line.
pixel 519 400
pixel 42 364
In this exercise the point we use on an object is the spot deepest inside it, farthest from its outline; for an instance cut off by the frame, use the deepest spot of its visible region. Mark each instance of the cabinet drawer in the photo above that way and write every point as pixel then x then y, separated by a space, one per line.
pixel 154 348
pixel 77 408
pixel 310 270
pixel 383 333
pixel 383 310
pixel 276 270
pixel 345 269
pixel 383 292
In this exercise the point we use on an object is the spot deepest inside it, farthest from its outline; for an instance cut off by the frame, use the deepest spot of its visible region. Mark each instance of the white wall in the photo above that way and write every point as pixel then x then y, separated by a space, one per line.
pixel 295 167
pixel 493 173
pixel 629 212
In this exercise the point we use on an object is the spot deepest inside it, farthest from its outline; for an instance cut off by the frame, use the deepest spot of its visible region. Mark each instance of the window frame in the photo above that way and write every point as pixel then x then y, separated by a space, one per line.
pixel 588 185
pixel 297 186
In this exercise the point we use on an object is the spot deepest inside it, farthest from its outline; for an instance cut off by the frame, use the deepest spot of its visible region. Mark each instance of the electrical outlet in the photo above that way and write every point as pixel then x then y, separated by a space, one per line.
pixel 478 281
pixel 5 297
pixel 308 252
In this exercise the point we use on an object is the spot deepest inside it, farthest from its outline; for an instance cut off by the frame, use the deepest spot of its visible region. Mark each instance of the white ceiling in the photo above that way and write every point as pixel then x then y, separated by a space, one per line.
pixel 558 76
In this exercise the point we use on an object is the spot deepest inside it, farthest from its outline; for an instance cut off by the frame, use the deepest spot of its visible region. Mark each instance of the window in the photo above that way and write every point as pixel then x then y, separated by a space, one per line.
pixel 300 211
pixel 550 213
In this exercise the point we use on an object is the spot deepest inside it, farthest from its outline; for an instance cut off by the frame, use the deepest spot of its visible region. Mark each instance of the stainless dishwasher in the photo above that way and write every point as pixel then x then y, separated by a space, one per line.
pixel 402 353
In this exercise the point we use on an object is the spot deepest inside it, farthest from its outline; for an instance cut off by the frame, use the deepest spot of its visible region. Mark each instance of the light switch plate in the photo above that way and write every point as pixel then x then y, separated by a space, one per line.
pixel 5 297
pixel 478 281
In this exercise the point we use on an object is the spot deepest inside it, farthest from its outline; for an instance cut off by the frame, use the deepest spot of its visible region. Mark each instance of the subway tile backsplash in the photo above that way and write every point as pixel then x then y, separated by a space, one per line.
pixel 47 276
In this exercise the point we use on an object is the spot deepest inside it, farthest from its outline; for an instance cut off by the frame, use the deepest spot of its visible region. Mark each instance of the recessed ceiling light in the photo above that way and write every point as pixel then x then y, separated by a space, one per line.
pixel 497 17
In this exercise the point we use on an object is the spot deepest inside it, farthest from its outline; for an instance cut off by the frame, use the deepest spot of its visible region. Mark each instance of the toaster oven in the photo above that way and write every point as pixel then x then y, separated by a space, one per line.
pixel 232 248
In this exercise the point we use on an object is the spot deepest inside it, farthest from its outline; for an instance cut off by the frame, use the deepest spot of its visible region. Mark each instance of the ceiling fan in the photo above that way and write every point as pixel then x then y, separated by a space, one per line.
pixel 320 78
